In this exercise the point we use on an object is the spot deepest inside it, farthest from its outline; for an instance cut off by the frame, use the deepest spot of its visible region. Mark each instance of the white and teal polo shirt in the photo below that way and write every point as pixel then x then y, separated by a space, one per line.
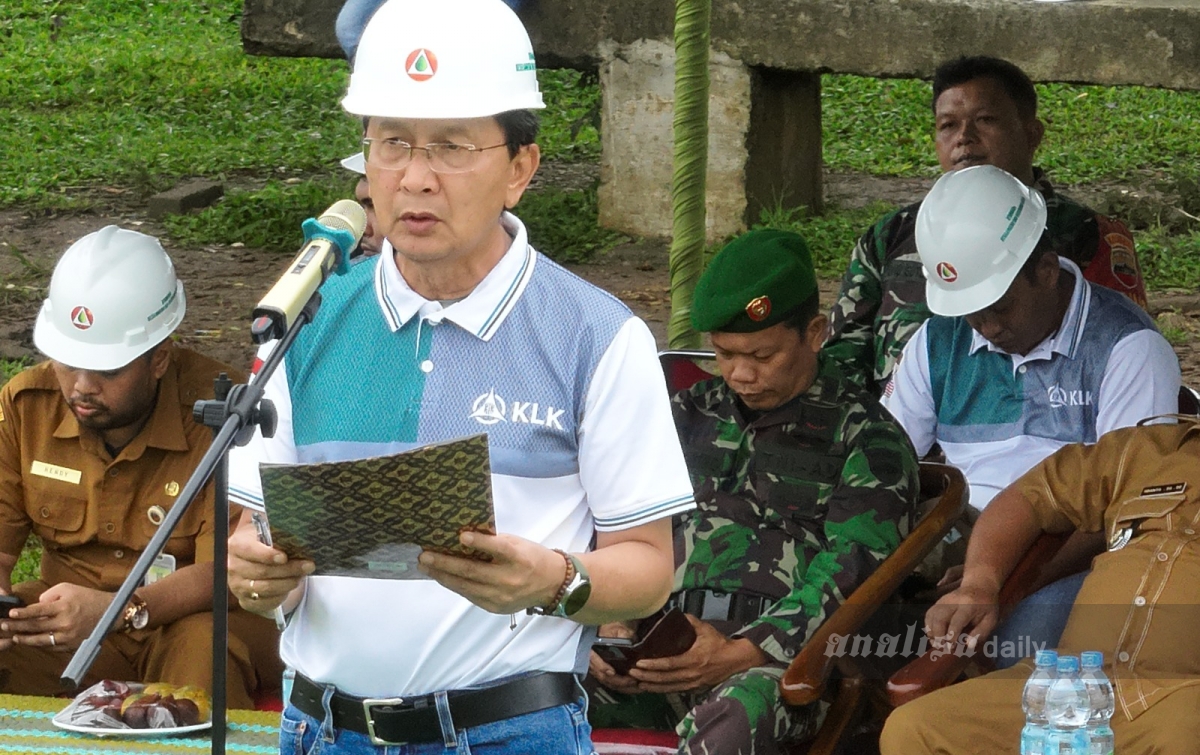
pixel 996 415
pixel 566 383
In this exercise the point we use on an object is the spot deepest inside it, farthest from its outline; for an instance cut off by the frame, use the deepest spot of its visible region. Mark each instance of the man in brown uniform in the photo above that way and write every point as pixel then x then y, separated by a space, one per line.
pixel 94 447
pixel 1141 487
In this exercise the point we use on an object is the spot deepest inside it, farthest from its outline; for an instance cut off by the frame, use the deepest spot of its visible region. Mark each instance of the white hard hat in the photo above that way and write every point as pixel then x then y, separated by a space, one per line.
pixel 356 163
pixel 975 229
pixel 443 59
pixel 113 297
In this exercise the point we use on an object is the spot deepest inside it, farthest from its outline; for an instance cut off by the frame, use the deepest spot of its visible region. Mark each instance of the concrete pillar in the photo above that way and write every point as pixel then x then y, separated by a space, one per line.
pixel 784 143
pixel 638 84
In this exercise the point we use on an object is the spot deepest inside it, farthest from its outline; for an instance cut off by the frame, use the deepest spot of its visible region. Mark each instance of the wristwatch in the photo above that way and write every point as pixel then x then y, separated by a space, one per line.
pixel 572 594
pixel 136 615
pixel 577 592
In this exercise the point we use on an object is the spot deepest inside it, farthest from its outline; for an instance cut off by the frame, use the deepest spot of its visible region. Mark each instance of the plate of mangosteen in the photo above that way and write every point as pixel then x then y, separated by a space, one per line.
pixel 131 709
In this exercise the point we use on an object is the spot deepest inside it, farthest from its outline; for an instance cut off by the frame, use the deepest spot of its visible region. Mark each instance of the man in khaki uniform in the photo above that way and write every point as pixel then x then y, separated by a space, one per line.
pixel 1141 487
pixel 95 445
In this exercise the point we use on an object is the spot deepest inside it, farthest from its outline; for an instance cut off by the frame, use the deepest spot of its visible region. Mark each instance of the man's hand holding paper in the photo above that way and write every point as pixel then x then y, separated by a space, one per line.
pixel 260 576
pixel 520 574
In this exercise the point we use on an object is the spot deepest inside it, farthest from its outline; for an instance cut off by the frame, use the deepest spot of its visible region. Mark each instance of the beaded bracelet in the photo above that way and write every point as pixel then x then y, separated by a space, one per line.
pixel 562 589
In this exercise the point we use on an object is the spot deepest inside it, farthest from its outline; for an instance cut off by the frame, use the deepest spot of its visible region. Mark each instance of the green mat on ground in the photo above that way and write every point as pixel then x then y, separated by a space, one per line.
pixel 25 728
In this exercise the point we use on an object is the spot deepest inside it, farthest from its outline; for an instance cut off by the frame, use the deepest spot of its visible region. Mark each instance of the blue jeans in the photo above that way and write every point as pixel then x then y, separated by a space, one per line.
pixel 1038 621
pixel 554 731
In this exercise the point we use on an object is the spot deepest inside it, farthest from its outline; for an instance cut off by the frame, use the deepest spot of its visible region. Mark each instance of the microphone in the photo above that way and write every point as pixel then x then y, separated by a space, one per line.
pixel 328 241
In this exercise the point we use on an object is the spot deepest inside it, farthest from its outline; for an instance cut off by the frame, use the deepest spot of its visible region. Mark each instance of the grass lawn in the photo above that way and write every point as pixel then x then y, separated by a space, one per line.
pixel 135 94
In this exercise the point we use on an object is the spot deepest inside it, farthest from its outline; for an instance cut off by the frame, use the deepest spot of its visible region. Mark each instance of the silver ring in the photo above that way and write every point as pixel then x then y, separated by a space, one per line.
pixel 251 585
pixel 52 642
pixel 253 596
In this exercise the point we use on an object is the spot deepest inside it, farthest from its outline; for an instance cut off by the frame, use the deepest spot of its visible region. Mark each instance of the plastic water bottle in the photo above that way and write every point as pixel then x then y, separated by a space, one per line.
pixel 289 676
pixel 1033 700
pixel 1068 708
pixel 1100 692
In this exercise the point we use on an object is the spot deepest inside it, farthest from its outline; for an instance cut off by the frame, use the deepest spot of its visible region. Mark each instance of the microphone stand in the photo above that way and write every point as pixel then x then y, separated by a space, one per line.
pixel 233 413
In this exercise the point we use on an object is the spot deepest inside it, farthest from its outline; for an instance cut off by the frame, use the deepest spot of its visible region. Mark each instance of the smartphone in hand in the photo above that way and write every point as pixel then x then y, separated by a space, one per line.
pixel 661 635
pixel 9 602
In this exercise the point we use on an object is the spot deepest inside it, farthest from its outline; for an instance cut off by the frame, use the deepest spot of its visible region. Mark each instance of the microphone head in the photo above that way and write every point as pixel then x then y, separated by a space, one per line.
pixel 345 215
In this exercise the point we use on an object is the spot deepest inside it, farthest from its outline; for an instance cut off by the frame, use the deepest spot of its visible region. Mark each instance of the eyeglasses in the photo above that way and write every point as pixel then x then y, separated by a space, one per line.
pixel 443 157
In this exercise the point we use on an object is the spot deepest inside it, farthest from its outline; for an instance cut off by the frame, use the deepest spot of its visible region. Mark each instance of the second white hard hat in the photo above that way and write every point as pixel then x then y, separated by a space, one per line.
pixel 443 59
pixel 113 297
pixel 975 229
pixel 356 163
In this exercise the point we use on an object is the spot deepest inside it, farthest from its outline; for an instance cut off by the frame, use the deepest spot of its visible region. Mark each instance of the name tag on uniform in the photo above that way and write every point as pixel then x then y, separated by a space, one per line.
pixel 163 566
pixel 55 472
pixel 1157 490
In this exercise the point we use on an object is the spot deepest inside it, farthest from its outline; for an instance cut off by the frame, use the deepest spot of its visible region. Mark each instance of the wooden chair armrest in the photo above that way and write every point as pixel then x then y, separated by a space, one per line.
pixel 929 673
pixel 924 675
pixel 804 681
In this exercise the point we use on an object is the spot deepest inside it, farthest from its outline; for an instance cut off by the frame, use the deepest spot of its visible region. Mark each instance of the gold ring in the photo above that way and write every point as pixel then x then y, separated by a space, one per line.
pixel 253 596
pixel 52 642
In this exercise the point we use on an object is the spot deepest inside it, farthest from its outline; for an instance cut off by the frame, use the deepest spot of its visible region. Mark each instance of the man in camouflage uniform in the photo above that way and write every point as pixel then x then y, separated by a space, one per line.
pixel 985 112
pixel 803 484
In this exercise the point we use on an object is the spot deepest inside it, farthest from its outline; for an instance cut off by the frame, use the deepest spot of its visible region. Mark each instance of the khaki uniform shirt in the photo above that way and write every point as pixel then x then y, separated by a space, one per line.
pixel 1141 602
pixel 91 511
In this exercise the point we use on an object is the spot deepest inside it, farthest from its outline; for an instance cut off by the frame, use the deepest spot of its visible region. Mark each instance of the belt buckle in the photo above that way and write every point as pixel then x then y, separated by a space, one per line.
pixel 372 702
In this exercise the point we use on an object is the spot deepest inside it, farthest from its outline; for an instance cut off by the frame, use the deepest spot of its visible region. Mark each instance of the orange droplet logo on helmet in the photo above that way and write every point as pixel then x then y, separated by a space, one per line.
pixel 947 272
pixel 759 308
pixel 81 317
pixel 421 64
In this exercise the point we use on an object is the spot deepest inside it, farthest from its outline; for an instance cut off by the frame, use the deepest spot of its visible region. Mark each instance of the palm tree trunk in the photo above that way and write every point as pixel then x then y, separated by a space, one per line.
pixel 692 18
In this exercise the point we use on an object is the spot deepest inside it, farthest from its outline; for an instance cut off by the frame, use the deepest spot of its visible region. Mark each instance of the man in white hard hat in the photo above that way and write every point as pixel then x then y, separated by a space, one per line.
pixel 95 445
pixel 984 113
pixel 1023 356
pixel 462 328
pixel 372 240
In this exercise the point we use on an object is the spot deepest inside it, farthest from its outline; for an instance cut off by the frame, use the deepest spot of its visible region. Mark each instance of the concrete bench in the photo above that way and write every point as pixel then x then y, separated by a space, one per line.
pixel 764 112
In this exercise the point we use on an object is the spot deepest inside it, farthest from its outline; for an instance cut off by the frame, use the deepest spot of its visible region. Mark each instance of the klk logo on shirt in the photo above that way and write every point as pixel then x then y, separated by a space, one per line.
pixel 490 409
pixel 1060 397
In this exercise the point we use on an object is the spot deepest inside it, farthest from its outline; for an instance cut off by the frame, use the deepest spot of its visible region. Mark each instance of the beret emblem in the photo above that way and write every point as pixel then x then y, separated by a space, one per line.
pixel 759 308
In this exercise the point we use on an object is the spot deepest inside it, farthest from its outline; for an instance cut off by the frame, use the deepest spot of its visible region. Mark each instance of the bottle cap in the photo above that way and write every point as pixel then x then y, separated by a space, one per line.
pixel 1068 664
pixel 1091 659
pixel 1046 658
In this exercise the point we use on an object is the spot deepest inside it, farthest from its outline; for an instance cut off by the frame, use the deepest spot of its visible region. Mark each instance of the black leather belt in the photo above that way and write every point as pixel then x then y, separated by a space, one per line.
pixel 710 605
pixel 395 720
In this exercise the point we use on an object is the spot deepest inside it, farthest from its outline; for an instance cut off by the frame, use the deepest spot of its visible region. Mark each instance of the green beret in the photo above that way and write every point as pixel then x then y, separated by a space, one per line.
pixel 756 281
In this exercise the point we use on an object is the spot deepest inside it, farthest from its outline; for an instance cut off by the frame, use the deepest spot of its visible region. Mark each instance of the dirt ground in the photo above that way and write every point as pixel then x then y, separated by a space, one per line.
pixel 223 283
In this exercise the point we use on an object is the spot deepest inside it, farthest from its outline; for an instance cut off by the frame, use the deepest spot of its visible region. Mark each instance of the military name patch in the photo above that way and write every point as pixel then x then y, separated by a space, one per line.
pixel 759 308
pixel 55 472
pixel 1171 489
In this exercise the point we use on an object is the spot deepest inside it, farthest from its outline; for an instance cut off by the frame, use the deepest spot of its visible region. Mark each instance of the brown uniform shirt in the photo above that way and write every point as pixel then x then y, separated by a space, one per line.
pixel 89 509
pixel 1140 604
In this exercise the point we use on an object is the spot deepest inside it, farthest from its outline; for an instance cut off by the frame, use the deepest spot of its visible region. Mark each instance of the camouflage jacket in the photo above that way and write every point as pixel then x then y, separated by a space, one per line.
pixel 882 301
pixel 798 505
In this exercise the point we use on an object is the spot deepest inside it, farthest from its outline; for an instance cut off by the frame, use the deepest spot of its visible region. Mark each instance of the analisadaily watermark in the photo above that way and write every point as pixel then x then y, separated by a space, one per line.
pixel 915 643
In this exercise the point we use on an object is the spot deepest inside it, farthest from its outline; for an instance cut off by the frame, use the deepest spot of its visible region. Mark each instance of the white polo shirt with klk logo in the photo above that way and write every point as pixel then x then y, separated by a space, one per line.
pixel 996 415
pixel 566 383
